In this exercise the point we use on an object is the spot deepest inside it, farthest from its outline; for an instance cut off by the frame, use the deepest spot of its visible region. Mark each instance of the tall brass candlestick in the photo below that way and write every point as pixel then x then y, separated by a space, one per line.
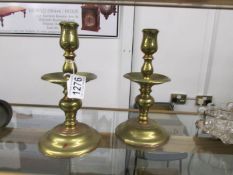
pixel 71 138
pixel 142 131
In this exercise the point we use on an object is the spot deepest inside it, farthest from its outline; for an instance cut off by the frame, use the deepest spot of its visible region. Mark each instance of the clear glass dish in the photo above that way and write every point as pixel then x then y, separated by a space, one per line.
pixel 218 122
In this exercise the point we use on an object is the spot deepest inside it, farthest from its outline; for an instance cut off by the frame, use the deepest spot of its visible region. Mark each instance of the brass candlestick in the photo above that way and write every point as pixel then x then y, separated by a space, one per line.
pixel 141 131
pixel 71 138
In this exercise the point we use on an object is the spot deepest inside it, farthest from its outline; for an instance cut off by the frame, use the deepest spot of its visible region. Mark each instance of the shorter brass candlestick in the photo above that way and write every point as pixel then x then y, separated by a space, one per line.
pixel 71 138
pixel 141 131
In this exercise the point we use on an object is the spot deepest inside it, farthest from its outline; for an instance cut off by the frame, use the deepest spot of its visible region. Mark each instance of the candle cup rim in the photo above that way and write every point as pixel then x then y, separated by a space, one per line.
pixel 69 23
pixel 150 30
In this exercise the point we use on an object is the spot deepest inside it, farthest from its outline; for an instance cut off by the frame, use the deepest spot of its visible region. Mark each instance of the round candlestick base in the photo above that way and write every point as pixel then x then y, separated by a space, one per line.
pixel 149 135
pixel 62 142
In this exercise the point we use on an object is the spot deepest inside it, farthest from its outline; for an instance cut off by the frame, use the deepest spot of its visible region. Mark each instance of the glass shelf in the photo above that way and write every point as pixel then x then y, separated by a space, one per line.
pixel 184 152
pixel 215 4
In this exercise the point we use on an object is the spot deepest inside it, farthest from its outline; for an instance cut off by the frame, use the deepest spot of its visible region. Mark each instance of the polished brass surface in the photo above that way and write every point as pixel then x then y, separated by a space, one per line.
pixel 71 138
pixel 60 78
pixel 69 42
pixel 149 135
pixel 69 143
pixel 154 80
pixel 176 143
pixel 142 132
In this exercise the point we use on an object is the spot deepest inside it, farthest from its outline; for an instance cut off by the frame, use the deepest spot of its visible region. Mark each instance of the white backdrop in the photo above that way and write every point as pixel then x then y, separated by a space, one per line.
pixel 194 51
pixel 25 59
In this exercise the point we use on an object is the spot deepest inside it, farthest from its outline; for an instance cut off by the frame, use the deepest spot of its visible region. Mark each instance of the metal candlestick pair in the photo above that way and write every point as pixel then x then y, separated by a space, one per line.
pixel 73 138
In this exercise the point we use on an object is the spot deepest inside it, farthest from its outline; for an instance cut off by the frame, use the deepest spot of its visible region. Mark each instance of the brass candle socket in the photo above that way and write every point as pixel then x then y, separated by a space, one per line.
pixel 143 132
pixel 70 138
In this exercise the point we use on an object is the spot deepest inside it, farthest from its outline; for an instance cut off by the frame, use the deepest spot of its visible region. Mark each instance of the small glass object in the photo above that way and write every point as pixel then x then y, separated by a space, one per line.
pixel 218 122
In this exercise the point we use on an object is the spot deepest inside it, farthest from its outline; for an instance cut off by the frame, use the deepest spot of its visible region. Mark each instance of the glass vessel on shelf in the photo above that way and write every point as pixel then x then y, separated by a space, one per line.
pixel 218 122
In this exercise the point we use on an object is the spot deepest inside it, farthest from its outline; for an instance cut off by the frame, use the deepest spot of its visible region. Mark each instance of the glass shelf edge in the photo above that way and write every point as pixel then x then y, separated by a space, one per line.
pixel 108 109
pixel 209 4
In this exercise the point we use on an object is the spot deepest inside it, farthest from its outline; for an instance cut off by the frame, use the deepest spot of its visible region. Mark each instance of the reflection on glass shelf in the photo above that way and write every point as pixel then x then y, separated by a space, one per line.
pixel 217 164
pixel 223 4
pixel 193 164
pixel 9 152
pixel 183 154
pixel 171 122
pixel 104 121
pixel 109 160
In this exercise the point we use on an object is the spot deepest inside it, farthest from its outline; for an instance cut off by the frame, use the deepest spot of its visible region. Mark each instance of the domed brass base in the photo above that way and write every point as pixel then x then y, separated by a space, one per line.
pixel 62 142
pixel 149 135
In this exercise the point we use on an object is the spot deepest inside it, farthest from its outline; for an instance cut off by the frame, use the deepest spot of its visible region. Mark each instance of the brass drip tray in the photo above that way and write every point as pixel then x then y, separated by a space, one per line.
pixel 60 78
pixel 154 79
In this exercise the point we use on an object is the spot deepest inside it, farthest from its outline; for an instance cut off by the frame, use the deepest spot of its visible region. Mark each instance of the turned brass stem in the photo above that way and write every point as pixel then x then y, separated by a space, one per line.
pixel 69 42
pixel 147 67
pixel 70 67
pixel 144 101
pixel 149 47
pixel 70 121
pixel 70 107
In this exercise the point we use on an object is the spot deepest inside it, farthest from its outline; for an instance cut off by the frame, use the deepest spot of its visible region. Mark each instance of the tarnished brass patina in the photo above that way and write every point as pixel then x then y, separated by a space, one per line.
pixel 141 131
pixel 71 138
